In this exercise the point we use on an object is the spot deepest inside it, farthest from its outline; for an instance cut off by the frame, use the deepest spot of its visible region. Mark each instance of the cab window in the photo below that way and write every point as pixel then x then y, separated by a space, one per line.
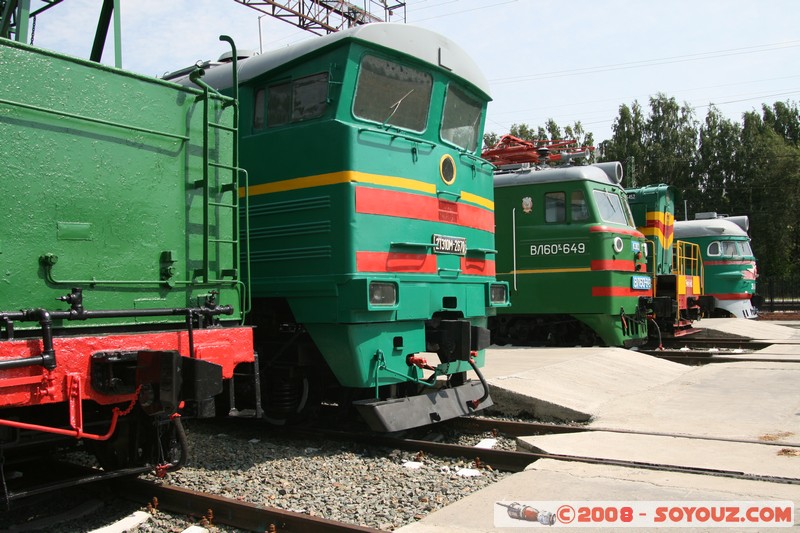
pixel 279 104
pixel 713 249
pixel 292 101
pixel 310 97
pixel 610 207
pixel 744 248
pixel 461 119
pixel 579 209
pixel 394 94
pixel 258 109
pixel 554 207
pixel 728 248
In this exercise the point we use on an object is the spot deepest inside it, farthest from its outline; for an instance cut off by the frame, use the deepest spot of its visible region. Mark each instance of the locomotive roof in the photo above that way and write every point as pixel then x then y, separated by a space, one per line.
pixel 555 175
pixel 423 44
pixel 717 227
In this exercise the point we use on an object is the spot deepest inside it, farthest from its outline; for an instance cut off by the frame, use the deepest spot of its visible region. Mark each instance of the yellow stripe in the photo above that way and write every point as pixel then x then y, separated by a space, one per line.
pixel 400 183
pixel 657 234
pixel 668 219
pixel 475 199
pixel 351 176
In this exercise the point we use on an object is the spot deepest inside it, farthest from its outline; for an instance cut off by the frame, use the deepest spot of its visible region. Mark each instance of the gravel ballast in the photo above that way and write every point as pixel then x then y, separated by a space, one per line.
pixel 348 482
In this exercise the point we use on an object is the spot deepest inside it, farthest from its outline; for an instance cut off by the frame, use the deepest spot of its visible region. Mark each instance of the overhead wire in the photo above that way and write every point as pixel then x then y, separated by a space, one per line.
pixel 649 62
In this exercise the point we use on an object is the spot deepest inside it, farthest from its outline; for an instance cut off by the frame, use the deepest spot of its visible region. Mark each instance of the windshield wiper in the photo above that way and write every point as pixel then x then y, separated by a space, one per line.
pixel 395 106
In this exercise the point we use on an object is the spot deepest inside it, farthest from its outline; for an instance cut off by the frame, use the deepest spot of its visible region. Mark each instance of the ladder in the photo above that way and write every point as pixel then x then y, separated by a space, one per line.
pixel 212 188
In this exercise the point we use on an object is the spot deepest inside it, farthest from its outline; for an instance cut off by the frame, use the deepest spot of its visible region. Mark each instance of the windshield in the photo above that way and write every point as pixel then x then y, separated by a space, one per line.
pixel 611 208
pixel 461 119
pixel 392 94
pixel 745 248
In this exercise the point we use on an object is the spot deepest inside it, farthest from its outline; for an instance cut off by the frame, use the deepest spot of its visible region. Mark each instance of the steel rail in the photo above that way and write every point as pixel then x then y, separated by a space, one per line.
pixel 521 429
pixel 235 513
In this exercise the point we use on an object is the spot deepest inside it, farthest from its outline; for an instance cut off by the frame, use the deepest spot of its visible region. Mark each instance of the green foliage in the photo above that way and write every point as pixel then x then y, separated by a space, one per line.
pixel 752 168
pixel 749 168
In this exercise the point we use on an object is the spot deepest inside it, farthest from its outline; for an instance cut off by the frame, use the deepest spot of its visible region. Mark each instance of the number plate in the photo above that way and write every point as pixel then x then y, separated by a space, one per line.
pixel 442 244
pixel 641 283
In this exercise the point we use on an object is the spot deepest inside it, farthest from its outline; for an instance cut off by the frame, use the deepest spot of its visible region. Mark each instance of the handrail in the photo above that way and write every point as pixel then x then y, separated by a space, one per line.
pixel 394 135
pixel 94 120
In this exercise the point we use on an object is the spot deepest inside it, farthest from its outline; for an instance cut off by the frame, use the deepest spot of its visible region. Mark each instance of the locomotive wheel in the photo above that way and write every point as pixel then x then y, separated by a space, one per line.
pixel 289 396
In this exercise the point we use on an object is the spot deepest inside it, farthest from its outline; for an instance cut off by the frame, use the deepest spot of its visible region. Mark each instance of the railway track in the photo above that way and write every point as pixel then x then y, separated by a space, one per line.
pixel 213 509
pixel 707 357
pixel 726 343
pixel 517 461
pixel 702 351
pixel 520 429
pixel 236 513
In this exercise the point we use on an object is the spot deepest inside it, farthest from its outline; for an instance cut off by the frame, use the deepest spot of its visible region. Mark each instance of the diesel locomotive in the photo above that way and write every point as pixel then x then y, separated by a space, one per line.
pixel 121 300
pixel 676 266
pixel 371 254
pixel 568 247
pixel 729 263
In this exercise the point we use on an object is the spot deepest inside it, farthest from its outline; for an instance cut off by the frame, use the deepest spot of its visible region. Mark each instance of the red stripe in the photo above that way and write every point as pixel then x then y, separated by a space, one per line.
pixel 659 225
pixel 421 207
pixel 621 231
pixel 731 262
pixel 613 264
pixel 477 267
pixel 395 262
pixel 660 228
pixel 732 296
pixel 618 291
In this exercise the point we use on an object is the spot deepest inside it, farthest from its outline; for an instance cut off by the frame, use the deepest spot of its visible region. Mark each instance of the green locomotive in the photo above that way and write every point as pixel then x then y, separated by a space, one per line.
pixel 121 294
pixel 676 265
pixel 574 260
pixel 728 261
pixel 371 227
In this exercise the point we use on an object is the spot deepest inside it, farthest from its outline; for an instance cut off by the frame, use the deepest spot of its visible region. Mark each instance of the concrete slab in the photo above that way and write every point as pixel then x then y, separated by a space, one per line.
pixel 570 384
pixel 749 458
pixel 787 350
pixel 624 390
pixel 554 481
pixel 749 401
pixel 751 329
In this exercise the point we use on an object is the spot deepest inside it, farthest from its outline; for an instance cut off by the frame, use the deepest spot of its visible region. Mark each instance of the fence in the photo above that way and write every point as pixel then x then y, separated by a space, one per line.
pixel 779 294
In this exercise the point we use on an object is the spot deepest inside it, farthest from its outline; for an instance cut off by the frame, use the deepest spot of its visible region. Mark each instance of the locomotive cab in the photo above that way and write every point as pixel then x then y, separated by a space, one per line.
pixel 371 224
pixel 730 266
pixel 675 264
pixel 574 261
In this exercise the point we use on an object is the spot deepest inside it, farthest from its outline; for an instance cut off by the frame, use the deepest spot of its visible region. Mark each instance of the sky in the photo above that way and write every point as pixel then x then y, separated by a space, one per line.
pixel 569 61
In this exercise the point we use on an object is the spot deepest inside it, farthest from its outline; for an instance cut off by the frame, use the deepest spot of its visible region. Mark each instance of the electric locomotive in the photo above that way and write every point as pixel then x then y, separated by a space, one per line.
pixel 730 266
pixel 676 266
pixel 571 254
pixel 371 224
pixel 121 294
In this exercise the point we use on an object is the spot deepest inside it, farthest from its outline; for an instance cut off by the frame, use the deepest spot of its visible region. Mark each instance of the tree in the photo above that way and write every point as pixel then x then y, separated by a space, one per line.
pixel 490 139
pixel 670 134
pixel 784 118
pixel 627 142
pixel 771 178
pixel 717 171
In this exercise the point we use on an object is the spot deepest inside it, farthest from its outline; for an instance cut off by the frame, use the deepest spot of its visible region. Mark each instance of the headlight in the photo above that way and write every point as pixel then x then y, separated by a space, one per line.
pixel 618 244
pixel 382 293
pixel 498 294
